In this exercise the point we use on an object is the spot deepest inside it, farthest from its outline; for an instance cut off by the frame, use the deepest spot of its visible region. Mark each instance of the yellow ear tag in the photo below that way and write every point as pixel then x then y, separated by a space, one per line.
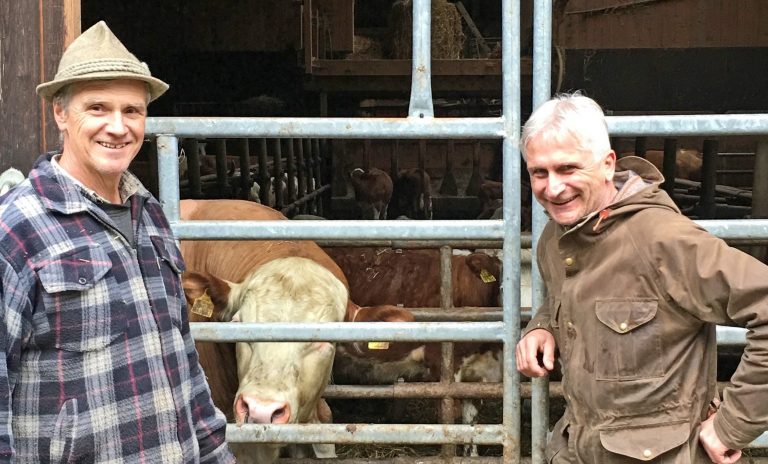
pixel 378 345
pixel 487 276
pixel 203 305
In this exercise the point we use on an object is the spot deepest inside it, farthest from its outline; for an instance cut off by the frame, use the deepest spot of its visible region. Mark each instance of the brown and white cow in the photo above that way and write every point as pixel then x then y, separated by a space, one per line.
pixel 265 281
pixel 373 190
pixel 411 278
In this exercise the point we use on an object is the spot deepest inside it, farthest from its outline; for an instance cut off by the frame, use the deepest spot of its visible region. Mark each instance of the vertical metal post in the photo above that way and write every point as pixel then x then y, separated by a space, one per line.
pixel 707 207
pixel 291 171
pixel 510 279
pixel 542 84
pixel 421 68
pixel 222 182
pixel 245 168
pixel 669 166
pixel 168 173
pixel 261 152
pixel 301 173
pixel 192 152
pixel 447 405
pixel 277 172
pixel 641 144
pixel 322 171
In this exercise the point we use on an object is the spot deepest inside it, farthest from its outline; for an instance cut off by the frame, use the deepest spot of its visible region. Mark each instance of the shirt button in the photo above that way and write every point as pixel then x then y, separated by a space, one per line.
pixel 569 261
pixel 623 326
pixel 81 280
pixel 570 324
pixel 647 453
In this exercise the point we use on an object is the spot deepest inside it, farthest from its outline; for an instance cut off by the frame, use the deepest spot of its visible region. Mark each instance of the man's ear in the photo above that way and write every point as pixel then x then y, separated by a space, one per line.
pixel 60 115
pixel 609 163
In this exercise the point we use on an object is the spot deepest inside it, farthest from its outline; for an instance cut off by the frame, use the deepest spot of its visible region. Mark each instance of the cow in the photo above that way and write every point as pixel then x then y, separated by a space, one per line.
pixel 267 281
pixel 491 196
pixel 373 190
pixel 411 278
pixel 412 194
pixel 687 162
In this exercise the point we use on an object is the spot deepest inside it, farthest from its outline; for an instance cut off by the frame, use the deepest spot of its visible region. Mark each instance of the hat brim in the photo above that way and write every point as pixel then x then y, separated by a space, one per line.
pixel 156 87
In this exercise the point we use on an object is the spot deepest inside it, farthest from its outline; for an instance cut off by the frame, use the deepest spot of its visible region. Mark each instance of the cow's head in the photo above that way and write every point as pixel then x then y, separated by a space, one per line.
pixel 280 382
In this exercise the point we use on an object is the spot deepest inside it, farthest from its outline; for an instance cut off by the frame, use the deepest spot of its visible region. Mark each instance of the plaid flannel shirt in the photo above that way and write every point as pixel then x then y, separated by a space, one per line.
pixel 98 364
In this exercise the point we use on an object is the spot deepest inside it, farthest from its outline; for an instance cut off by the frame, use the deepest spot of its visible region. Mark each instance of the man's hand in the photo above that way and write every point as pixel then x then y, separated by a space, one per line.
pixel 716 450
pixel 536 341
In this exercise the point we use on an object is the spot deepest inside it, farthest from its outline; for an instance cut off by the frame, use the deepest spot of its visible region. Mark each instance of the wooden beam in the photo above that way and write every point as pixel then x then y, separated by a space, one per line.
pixel 473 28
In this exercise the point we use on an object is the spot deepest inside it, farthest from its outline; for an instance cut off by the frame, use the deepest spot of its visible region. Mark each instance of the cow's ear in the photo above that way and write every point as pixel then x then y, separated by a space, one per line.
pixel 483 265
pixel 207 292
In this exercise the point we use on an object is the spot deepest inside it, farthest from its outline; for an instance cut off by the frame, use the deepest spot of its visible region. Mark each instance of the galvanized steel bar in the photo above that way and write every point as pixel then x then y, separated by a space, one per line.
pixel 542 82
pixel 683 125
pixel 425 434
pixel 346 332
pixel 346 229
pixel 734 229
pixel 168 173
pixel 510 279
pixel 420 105
pixel 347 128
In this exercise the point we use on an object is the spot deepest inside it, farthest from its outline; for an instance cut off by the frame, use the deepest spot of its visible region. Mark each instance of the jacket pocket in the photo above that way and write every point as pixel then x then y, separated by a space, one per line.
pixel 557 442
pixel 628 342
pixel 64 433
pixel 83 312
pixel 171 266
pixel 649 442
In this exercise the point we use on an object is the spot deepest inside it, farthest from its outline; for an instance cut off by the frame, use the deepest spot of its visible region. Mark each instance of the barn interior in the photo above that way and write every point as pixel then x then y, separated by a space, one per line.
pixel 347 58
pixel 341 58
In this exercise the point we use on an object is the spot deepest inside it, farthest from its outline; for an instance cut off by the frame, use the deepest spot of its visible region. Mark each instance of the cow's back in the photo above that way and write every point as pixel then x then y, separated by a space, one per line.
pixel 234 259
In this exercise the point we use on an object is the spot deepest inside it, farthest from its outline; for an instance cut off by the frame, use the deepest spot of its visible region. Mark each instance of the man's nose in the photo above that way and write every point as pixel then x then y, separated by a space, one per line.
pixel 555 185
pixel 115 123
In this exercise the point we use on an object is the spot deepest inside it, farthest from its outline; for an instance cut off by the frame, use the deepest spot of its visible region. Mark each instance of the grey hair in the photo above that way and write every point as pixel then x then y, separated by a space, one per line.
pixel 568 120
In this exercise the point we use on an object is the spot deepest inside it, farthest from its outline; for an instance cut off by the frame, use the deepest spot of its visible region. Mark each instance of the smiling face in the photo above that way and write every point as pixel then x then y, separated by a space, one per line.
pixel 568 182
pixel 102 126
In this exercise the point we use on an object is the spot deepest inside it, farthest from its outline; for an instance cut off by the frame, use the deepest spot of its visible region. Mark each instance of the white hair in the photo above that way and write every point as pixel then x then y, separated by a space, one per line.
pixel 571 120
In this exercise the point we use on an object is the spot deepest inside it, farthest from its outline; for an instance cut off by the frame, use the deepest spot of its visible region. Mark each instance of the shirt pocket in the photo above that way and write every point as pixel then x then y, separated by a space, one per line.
pixel 82 311
pixel 649 442
pixel 171 266
pixel 628 340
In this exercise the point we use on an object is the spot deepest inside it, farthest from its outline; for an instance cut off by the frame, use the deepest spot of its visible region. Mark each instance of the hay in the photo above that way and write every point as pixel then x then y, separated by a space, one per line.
pixel 447 41
pixel 366 48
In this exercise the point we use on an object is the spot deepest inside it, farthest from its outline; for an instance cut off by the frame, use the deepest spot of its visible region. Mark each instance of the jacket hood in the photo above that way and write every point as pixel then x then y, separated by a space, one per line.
pixel 638 184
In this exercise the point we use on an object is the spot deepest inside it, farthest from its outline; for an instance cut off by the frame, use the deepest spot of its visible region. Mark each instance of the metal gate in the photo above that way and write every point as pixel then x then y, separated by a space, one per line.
pixel 421 123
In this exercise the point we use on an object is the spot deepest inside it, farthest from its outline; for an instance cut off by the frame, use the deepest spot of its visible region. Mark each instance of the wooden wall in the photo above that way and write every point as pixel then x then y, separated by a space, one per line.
pixel 606 24
pixel 33 36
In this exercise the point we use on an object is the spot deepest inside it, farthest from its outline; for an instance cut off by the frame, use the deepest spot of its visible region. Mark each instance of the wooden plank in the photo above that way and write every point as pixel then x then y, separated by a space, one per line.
pixel 403 67
pixel 619 24
pixel 31 43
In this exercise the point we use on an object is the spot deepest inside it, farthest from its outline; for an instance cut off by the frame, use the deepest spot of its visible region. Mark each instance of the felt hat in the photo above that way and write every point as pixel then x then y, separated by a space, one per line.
pixel 98 55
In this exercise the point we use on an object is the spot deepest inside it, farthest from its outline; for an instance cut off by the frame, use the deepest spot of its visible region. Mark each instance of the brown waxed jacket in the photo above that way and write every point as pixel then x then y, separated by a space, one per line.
pixel 632 303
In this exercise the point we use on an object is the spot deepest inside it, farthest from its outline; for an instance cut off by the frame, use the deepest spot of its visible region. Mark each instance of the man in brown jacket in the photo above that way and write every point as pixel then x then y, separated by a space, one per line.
pixel 635 290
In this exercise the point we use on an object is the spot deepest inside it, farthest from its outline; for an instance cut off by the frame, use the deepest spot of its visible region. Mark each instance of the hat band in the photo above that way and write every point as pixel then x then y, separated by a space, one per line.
pixel 103 66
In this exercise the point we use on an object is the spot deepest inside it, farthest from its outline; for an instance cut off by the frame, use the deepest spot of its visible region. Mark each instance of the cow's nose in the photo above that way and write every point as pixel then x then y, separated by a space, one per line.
pixel 264 412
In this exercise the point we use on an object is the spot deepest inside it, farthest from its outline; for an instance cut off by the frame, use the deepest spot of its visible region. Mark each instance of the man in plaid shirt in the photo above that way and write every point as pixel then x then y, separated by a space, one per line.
pixel 98 364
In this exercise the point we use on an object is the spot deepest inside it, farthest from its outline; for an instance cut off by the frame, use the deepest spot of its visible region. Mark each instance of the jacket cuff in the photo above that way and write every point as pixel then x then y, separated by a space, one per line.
pixel 729 432
pixel 538 322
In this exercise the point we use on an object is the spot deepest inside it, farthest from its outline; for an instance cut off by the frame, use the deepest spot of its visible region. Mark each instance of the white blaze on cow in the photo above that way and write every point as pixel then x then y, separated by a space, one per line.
pixel 266 281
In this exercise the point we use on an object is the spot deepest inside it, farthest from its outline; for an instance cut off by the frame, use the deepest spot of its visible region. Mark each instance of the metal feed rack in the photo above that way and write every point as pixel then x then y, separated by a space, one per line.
pixel 421 123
